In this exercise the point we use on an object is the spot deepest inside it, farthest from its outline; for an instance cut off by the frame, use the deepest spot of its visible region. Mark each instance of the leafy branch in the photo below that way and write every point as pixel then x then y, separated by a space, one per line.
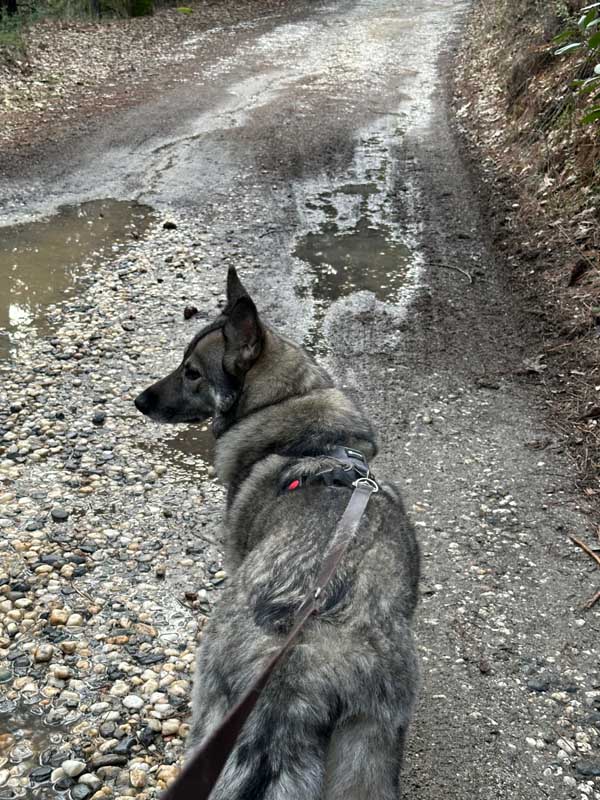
pixel 587 31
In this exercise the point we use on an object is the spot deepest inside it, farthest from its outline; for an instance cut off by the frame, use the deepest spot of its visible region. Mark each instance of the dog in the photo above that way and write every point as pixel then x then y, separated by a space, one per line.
pixel 332 720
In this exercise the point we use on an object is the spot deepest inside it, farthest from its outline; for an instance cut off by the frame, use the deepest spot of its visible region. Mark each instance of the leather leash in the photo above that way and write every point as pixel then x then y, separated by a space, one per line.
pixel 202 771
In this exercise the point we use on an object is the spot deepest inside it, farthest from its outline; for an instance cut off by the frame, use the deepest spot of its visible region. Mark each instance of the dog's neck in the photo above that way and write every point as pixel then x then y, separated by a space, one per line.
pixel 282 429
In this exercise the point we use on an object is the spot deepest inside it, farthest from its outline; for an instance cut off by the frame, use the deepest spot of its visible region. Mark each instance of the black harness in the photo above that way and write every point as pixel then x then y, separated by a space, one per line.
pixel 352 466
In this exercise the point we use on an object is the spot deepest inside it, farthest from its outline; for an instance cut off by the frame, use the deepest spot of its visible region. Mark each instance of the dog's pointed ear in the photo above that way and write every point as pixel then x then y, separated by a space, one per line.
pixel 243 333
pixel 235 288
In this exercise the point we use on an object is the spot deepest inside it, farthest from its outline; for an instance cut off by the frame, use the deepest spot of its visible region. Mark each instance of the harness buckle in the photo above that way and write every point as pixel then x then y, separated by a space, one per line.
pixel 366 481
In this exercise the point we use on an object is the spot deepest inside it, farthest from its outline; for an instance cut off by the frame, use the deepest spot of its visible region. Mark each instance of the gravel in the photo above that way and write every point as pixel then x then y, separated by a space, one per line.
pixel 101 601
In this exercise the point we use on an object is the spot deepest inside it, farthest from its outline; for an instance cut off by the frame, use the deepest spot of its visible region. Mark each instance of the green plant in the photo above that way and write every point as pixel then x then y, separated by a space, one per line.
pixel 12 42
pixel 587 31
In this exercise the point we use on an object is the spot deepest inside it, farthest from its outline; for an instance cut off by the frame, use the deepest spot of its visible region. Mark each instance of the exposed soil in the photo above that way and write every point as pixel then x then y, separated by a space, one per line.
pixel 515 105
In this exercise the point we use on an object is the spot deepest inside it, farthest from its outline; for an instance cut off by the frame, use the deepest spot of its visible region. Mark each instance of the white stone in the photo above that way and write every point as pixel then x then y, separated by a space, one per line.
pixel 170 727
pixel 73 768
pixel 133 702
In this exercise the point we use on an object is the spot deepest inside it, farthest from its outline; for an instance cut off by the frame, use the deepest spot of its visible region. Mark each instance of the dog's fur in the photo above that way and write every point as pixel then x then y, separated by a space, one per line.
pixel 331 722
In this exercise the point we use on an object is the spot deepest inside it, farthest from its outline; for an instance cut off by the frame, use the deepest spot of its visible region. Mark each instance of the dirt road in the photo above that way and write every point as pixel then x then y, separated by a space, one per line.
pixel 316 152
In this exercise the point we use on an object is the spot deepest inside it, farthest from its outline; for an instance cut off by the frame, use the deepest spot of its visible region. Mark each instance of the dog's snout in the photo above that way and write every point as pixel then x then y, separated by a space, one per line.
pixel 143 402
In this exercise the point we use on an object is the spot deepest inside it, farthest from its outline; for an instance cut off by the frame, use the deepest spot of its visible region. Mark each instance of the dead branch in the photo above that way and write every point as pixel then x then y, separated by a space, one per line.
pixel 592 601
pixel 456 269
pixel 585 549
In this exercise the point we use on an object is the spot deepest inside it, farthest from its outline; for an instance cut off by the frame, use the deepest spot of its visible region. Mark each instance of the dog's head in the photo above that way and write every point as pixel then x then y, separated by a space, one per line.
pixel 209 380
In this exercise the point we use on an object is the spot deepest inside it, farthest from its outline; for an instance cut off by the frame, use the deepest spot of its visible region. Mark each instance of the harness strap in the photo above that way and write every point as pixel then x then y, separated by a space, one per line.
pixel 351 464
pixel 202 771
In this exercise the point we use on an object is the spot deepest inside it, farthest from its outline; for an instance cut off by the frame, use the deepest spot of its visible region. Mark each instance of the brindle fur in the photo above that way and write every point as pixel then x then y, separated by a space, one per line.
pixel 332 720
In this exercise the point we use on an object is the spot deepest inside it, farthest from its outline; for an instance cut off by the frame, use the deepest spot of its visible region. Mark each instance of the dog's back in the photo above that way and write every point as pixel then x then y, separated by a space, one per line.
pixel 331 722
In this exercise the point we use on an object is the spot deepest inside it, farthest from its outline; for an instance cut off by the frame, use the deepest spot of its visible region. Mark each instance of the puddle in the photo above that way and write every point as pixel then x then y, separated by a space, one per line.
pixel 43 262
pixel 362 257
pixel 192 448
pixel 30 748
pixel 357 235
pixel 346 256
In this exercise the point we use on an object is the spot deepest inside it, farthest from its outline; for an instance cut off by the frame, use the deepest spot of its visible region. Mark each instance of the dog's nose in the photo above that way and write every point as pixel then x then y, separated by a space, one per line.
pixel 142 402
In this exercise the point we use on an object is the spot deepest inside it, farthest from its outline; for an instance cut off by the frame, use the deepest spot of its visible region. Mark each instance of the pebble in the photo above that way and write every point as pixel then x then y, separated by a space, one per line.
pixel 110 760
pixel 43 653
pixel 63 784
pixel 125 744
pixel 91 780
pixel 170 727
pixel 137 778
pixel 81 792
pixel 59 616
pixel 133 702
pixel 189 312
pixel 588 768
pixel 72 767
pixel 61 672
pixel 167 773
pixel 59 514
pixel 538 684
pixel 40 774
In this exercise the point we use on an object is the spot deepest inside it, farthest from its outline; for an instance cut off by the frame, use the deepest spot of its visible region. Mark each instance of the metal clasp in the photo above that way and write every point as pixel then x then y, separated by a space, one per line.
pixel 366 482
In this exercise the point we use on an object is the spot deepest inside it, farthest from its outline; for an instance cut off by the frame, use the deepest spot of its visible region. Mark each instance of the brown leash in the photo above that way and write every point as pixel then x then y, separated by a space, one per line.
pixel 202 771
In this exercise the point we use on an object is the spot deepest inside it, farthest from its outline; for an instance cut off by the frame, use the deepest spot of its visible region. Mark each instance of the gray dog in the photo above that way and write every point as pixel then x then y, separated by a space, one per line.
pixel 331 723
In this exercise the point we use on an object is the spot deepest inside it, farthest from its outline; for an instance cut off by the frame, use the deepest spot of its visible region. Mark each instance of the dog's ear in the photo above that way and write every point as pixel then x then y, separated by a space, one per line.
pixel 235 288
pixel 243 334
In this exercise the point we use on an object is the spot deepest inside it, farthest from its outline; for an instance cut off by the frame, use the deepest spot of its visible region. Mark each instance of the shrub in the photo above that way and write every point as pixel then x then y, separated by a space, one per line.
pixel 587 34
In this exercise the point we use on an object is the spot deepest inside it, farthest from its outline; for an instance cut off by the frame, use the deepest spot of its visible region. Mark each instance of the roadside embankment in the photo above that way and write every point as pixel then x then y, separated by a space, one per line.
pixel 516 103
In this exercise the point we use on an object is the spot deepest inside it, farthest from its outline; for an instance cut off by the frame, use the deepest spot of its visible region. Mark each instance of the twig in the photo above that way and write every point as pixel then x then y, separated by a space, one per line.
pixel 585 549
pixel 456 269
pixel 83 594
pixel 592 601
pixel 206 538
pixel 184 605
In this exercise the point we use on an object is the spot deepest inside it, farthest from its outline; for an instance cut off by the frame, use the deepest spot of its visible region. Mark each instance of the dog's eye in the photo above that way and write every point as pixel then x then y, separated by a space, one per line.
pixel 191 374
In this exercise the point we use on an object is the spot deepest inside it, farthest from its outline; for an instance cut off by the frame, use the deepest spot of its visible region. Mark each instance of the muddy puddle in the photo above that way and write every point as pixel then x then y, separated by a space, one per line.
pixel 191 448
pixel 352 249
pixel 46 261
pixel 361 258
pixel 196 441
pixel 30 749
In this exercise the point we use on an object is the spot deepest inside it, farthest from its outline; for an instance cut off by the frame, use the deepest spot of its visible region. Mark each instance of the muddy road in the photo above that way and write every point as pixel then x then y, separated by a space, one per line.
pixel 315 150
